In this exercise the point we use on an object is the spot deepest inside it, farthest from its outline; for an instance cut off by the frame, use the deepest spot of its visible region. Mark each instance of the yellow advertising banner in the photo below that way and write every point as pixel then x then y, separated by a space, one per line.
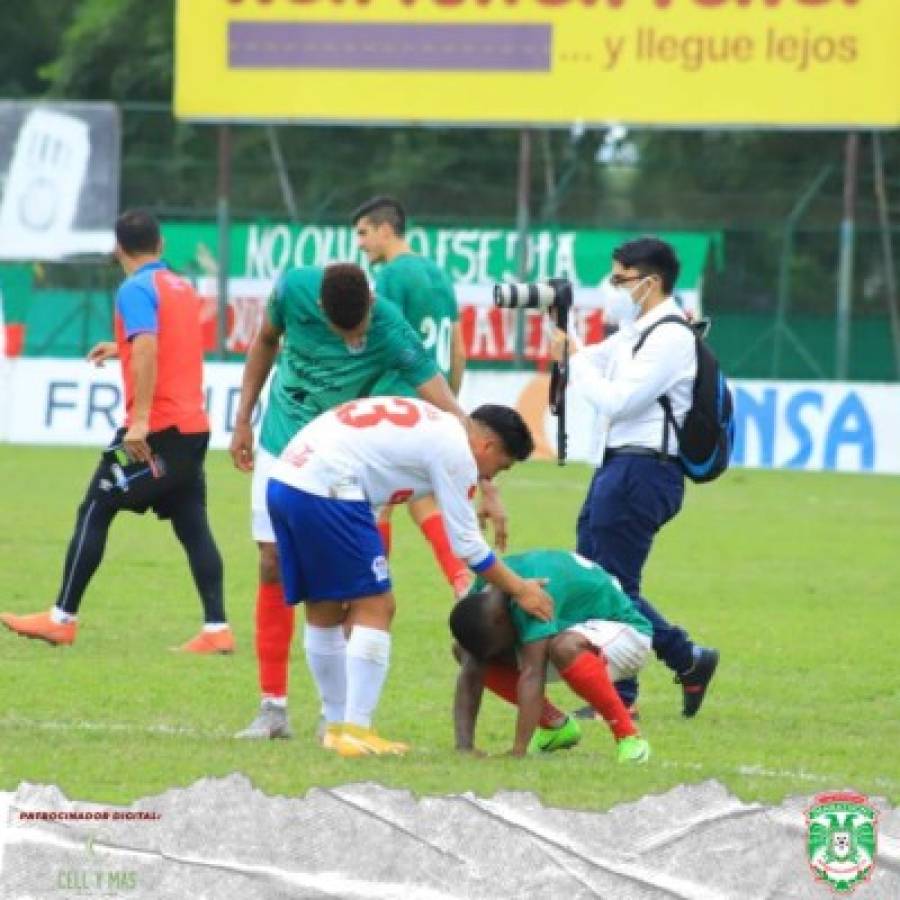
pixel 831 63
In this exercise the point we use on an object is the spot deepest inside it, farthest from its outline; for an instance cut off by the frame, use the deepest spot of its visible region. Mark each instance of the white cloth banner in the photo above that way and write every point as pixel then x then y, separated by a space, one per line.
pixel 845 427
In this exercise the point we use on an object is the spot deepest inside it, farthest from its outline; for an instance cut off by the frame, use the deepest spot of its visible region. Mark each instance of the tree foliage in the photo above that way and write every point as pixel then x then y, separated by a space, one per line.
pixel 744 183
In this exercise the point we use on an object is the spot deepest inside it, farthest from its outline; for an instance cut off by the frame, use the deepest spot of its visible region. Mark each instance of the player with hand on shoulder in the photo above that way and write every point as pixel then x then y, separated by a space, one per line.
pixel 321 495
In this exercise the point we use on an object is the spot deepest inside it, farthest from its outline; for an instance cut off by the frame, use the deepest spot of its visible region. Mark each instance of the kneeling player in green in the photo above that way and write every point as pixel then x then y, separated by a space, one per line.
pixel 595 637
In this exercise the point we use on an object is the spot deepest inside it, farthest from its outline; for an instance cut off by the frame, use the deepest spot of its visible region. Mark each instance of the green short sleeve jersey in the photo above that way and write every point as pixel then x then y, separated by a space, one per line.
pixel 317 371
pixel 580 590
pixel 425 296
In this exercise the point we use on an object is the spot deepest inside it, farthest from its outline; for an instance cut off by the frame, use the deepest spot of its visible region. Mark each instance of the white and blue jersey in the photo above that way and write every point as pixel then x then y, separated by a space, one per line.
pixel 347 462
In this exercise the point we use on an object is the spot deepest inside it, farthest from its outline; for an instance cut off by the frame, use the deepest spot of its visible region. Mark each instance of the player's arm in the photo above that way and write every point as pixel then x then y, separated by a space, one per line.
pixel 528 593
pixel 530 691
pixel 467 701
pixel 491 509
pixel 137 305
pixel 438 393
pixel 451 474
pixel 260 359
pixel 457 359
pixel 101 352
pixel 143 377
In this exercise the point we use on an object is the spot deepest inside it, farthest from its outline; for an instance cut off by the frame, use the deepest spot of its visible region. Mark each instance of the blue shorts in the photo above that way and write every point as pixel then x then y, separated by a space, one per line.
pixel 328 549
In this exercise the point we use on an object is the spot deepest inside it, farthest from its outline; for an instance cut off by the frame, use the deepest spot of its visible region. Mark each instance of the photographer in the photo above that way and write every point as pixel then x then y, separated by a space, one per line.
pixel 639 485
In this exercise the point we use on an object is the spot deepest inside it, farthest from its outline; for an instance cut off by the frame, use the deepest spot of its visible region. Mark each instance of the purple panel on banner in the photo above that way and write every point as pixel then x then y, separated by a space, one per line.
pixel 389 45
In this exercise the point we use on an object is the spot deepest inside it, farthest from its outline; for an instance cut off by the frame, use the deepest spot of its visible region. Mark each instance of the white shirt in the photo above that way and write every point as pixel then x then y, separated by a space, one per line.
pixel 623 387
pixel 389 450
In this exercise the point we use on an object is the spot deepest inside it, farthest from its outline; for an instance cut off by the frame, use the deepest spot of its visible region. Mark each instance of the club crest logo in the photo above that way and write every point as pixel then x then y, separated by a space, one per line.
pixel 380 568
pixel 841 830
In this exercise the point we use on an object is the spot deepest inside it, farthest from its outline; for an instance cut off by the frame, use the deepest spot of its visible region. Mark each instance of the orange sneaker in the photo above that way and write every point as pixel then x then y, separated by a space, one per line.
pixel 41 626
pixel 208 642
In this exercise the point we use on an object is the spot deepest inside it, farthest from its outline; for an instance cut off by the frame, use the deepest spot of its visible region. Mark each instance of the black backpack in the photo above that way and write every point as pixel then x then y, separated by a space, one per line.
pixel 706 438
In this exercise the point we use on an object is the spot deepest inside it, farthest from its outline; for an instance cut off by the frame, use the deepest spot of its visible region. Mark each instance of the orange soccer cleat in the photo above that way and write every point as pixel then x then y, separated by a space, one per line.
pixel 42 627
pixel 208 642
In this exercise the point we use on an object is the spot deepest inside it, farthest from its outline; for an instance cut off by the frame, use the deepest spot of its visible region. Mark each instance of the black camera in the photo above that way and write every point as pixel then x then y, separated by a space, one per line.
pixel 555 294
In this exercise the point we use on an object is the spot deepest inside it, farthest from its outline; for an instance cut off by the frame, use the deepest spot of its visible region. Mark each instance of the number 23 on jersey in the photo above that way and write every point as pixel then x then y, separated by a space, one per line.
pixel 368 412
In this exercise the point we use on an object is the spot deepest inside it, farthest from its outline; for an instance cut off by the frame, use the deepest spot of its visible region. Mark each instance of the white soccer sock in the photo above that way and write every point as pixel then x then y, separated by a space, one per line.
pixel 61 617
pixel 213 627
pixel 326 655
pixel 368 656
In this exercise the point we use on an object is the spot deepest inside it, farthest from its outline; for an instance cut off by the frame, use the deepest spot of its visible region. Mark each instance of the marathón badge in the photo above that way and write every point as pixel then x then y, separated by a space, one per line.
pixel 841 832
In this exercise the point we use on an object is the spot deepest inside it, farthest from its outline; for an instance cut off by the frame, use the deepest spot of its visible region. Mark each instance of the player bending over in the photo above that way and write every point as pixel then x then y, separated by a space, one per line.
pixel 321 495
pixel 595 638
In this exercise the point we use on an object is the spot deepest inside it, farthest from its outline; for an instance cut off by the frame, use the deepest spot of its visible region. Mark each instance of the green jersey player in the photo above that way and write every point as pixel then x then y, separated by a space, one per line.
pixel 595 637
pixel 336 341
pixel 425 297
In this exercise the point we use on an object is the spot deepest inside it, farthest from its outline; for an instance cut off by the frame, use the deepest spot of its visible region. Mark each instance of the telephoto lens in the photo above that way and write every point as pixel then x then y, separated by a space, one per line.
pixel 524 296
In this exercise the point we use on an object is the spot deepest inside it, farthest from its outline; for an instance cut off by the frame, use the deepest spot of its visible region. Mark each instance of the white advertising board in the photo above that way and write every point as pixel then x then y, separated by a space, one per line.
pixel 815 426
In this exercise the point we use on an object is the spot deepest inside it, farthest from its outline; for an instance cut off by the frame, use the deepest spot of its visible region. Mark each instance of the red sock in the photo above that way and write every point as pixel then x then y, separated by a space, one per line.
pixel 384 529
pixel 274 630
pixel 436 534
pixel 589 678
pixel 503 681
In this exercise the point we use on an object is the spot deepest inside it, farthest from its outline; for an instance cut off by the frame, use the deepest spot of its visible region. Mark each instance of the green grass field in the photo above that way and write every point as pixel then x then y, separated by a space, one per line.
pixel 795 577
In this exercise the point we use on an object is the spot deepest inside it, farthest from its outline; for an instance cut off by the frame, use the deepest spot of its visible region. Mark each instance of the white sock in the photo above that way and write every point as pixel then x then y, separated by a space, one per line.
pixel 326 655
pixel 368 656
pixel 61 617
pixel 280 702
pixel 215 626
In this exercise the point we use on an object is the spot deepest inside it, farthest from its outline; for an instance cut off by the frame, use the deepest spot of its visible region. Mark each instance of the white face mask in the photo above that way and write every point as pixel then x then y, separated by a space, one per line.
pixel 619 304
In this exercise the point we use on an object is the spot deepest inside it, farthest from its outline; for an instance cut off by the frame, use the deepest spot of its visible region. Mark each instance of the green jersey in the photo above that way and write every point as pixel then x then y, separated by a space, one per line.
pixel 580 590
pixel 425 296
pixel 316 370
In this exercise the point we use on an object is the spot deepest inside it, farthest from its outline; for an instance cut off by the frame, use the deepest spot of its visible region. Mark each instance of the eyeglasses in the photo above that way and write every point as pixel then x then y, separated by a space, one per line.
pixel 619 280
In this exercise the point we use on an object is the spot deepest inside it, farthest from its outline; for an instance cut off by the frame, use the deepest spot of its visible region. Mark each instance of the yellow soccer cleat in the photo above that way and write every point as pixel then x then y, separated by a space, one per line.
pixel 355 740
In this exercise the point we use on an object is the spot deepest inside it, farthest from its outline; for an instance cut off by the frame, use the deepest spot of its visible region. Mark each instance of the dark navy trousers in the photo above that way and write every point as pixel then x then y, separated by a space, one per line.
pixel 629 500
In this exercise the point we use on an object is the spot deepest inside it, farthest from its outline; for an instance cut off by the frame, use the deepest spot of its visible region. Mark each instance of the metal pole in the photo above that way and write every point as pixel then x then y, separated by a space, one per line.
pixel 524 201
pixel 523 221
pixel 222 219
pixel 884 222
pixel 284 181
pixel 845 265
pixel 784 267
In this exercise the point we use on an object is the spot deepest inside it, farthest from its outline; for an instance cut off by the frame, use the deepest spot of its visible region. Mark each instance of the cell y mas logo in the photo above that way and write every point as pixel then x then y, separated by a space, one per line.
pixel 841 830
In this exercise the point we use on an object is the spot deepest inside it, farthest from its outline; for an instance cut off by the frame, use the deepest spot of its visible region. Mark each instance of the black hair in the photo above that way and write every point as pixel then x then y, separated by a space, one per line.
pixel 509 426
pixel 470 622
pixel 382 209
pixel 137 232
pixel 345 294
pixel 650 256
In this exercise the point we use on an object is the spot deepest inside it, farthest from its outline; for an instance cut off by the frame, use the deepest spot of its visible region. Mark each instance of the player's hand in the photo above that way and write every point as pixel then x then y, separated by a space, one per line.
pixel 558 344
pixel 241 447
pixel 491 509
pixel 135 442
pixel 534 600
pixel 101 352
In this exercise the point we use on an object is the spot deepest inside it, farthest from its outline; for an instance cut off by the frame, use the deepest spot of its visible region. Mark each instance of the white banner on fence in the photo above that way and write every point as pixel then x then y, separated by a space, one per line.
pixel 780 424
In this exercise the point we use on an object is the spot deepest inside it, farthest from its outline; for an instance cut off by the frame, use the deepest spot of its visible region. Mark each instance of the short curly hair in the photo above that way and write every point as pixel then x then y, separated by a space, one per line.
pixel 345 294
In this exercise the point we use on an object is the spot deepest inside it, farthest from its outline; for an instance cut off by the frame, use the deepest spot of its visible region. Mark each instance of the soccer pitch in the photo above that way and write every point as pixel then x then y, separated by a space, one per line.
pixel 793 576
